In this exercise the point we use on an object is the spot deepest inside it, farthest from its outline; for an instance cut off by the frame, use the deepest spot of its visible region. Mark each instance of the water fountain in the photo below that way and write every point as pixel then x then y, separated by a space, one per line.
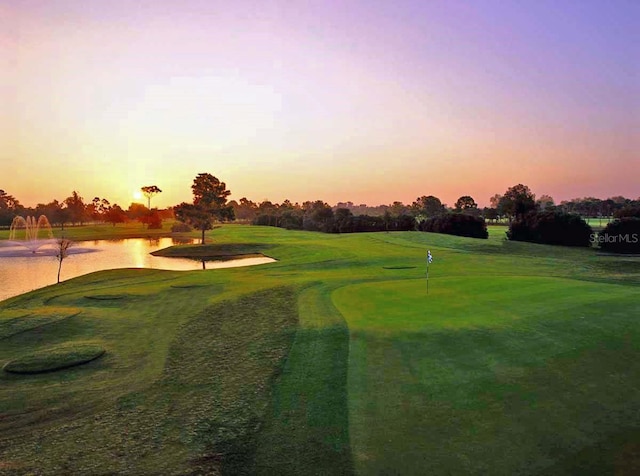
pixel 29 234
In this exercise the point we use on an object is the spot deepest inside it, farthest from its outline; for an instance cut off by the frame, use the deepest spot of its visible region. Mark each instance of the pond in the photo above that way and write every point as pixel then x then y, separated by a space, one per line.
pixel 21 272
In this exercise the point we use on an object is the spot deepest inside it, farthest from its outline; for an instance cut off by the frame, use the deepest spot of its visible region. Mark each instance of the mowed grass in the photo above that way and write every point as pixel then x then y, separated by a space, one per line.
pixel 522 359
pixel 508 376
pixel 60 357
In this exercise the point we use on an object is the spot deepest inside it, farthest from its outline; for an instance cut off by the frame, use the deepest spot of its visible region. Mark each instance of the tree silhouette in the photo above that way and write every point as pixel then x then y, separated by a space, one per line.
pixel 76 207
pixel 465 202
pixel 429 206
pixel 62 251
pixel 517 201
pixel 209 204
pixel 149 191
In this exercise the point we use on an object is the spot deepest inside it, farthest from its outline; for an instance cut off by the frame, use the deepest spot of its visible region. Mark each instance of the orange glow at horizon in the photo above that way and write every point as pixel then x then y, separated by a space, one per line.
pixel 330 101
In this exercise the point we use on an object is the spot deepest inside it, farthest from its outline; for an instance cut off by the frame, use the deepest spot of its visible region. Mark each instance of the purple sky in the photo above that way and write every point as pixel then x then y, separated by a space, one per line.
pixel 363 101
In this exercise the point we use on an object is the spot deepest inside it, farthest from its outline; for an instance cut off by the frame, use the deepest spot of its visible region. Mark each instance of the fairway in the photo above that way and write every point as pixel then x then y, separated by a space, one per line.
pixel 521 359
pixel 438 382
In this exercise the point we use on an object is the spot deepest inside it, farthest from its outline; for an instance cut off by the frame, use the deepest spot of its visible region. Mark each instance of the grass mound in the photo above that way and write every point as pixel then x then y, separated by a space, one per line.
pixel 55 358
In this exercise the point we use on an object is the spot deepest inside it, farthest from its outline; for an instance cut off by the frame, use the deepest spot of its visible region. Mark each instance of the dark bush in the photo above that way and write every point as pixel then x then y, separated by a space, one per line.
pixel 402 222
pixel 621 236
pixel 342 221
pixel 364 223
pixel 456 224
pixel 552 228
pixel 264 219
pixel 291 220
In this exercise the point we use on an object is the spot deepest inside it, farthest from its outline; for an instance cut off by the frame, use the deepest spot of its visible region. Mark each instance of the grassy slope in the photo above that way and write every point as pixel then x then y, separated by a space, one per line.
pixel 483 378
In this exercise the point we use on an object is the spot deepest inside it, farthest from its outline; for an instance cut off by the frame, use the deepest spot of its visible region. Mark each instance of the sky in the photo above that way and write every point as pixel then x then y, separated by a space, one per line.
pixel 363 101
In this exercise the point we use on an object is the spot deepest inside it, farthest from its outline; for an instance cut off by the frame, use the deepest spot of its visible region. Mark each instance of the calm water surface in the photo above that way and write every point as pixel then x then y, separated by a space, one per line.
pixel 21 272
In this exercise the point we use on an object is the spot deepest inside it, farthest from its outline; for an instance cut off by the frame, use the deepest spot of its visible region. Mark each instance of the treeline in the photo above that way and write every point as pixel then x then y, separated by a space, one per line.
pixel 532 219
pixel 319 216
pixel 504 207
pixel 74 210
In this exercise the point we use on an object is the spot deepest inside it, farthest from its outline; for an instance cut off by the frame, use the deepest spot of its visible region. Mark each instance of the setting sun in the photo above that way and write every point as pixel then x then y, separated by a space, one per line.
pixel 137 195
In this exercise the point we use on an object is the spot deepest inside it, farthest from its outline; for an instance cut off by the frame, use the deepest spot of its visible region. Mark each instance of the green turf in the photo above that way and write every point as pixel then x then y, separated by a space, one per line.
pixel 522 359
pixel 60 357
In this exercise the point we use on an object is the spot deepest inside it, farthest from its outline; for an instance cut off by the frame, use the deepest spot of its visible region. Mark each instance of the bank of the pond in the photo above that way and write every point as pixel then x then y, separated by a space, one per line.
pixel 214 251
pixel 21 272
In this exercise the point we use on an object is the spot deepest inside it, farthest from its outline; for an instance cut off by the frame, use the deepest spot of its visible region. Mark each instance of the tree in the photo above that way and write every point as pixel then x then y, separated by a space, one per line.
pixel 490 213
pixel 152 220
pixel 398 209
pixel 545 201
pixel 245 210
pixel 62 251
pixel 318 216
pixel 429 206
pixel 136 211
pixel 343 220
pixel 98 208
pixel 149 191
pixel 209 204
pixel 115 214
pixel 76 207
pixel 268 213
pixel 57 213
pixel 466 203
pixel 9 208
pixel 517 201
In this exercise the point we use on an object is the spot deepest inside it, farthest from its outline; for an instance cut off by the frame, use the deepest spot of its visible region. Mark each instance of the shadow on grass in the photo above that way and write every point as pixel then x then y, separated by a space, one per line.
pixel 307 425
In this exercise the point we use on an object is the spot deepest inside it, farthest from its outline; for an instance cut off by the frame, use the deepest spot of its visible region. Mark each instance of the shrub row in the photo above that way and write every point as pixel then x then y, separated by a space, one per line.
pixel 621 236
pixel 551 228
pixel 456 224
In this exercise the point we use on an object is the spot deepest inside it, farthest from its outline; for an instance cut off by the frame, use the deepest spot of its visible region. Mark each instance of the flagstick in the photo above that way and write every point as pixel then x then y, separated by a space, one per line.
pixel 427 277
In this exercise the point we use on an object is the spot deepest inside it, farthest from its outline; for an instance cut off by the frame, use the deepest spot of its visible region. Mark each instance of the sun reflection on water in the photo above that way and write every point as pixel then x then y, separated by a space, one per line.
pixel 19 274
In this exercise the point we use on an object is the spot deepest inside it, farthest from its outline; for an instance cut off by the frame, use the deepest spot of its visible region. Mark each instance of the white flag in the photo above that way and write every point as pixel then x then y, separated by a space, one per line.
pixel 429 257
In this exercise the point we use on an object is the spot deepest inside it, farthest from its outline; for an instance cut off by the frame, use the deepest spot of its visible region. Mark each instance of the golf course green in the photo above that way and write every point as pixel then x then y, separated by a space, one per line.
pixel 335 359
